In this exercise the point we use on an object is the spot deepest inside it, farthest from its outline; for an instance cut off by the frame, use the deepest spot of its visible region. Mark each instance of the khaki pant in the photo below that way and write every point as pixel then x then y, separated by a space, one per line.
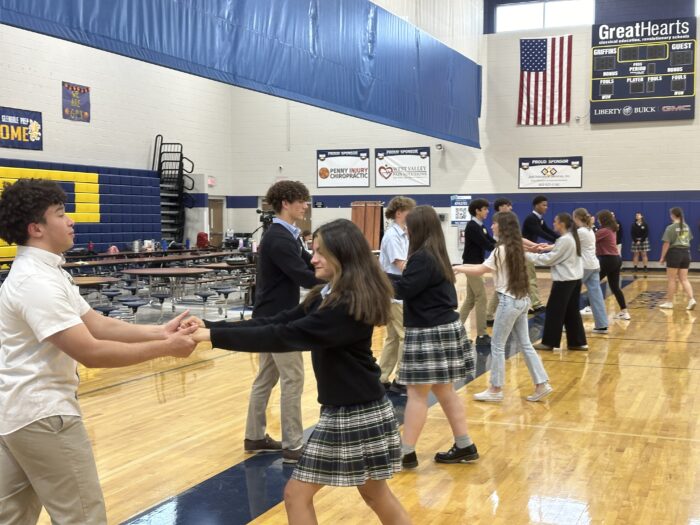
pixel 533 292
pixel 476 299
pixel 491 308
pixel 288 369
pixel 392 352
pixel 50 463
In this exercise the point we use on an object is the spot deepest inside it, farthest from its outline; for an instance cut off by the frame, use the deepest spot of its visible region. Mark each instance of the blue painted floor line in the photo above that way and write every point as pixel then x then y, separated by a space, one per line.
pixel 249 489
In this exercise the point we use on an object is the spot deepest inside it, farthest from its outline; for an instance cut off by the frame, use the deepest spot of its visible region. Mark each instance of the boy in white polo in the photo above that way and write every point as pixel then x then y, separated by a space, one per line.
pixel 46 328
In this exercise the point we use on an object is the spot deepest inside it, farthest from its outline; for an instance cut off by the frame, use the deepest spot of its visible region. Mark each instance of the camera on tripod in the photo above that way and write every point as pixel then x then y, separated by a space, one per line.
pixel 266 218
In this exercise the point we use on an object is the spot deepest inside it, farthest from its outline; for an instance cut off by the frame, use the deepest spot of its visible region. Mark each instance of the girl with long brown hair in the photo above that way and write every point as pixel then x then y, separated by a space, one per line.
pixel 610 260
pixel 356 441
pixel 507 263
pixel 676 254
pixel 563 303
pixel 436 351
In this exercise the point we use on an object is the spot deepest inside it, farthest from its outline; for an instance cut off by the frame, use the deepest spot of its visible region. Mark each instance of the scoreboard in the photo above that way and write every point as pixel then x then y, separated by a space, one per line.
pixel 643 71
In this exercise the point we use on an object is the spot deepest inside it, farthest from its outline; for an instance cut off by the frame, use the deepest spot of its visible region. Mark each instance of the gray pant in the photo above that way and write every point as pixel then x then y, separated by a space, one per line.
pixel 288 368
pixel 476 299
pixel 50 463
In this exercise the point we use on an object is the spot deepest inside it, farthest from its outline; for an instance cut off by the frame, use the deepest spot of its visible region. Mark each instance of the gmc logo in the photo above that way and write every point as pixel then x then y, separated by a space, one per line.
pixel 684 107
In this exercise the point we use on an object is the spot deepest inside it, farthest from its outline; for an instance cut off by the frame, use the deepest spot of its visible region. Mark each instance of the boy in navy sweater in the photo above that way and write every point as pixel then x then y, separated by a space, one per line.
pixel 283 266
pixel 477 242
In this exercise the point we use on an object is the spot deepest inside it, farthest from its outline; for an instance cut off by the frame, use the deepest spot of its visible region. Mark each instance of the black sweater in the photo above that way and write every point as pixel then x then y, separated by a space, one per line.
pixel 640 232
pixel 428 298
pixel 345 369
pixel 535 228
pixel 283 266
pixel 477 242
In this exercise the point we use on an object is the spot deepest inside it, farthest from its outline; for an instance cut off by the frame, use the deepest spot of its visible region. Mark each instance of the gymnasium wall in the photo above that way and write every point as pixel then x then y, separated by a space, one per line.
pixel 248 140
pixel 627 167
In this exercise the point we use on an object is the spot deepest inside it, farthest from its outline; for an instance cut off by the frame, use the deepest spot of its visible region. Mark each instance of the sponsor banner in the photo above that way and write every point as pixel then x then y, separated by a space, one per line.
pixel 342 168
pixel 76 102
pixel 643 71
pixel 401 167
pixel 21 129
pixel 459 209
pixel 550 172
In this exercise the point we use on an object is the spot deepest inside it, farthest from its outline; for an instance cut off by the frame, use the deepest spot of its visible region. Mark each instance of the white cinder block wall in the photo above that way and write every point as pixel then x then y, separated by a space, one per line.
pixel 243 137
pixel 645 156
pixel 239 136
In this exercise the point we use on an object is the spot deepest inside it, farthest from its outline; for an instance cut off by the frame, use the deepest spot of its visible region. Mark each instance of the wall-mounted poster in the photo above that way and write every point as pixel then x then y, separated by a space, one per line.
pixel 21 129
pixel 342 168
pixel 550 172
pixel 76 102
pixel 459 209
pixel 643 70
pixel 401 167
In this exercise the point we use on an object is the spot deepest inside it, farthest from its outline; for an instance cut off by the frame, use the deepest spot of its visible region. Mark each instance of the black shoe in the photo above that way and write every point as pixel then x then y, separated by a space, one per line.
pixel 267 444
pixel 489 322
pixel 397 388
pixel 386 386
pixel 291 456
pixel 458 455
pixel 409 460
pixel 483 340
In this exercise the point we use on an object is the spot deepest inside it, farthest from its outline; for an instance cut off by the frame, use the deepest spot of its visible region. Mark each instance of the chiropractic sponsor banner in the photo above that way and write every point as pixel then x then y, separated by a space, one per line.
pixel 20 128
pixel 459 209
pixel 643 70
pixel 550 172
pixel 342 168
pixel 76 102
pixel 401 167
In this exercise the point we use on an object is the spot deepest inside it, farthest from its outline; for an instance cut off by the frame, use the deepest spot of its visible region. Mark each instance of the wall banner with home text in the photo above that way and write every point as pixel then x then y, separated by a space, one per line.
pixel 401 167
pixel 342 168
pixel 20 128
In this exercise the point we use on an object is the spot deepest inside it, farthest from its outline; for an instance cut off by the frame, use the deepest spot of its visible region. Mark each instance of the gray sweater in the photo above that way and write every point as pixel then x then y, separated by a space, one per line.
pixel 565 264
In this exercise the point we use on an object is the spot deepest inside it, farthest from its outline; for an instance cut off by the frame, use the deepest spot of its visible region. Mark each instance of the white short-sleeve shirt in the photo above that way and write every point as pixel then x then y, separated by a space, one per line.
pixel 394 247
pixel 496 262
pixel 37 379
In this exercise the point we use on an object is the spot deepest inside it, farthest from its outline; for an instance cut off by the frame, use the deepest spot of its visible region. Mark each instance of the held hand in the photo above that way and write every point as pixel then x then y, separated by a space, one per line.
pixel 181 343
pixel 173 325
pixel 202 335
pixel 192 321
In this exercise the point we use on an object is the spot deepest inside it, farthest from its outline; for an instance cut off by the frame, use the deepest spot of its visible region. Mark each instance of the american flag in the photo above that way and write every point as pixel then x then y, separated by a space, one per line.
pixel 545 81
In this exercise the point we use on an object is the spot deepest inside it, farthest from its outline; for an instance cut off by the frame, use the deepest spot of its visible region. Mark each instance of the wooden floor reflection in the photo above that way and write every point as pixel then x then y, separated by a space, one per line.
pixel 617 442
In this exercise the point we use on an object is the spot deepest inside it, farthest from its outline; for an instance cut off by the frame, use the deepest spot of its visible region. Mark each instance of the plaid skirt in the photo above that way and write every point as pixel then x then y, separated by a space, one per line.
pixel 641 247
pixel 436 355
pixel 352 444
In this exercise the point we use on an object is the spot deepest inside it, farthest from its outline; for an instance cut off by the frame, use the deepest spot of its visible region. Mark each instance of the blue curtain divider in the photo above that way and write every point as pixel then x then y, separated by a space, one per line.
pixel 349 56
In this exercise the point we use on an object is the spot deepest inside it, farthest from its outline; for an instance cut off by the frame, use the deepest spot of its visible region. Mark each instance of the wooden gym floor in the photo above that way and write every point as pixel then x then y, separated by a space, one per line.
pixel 617 442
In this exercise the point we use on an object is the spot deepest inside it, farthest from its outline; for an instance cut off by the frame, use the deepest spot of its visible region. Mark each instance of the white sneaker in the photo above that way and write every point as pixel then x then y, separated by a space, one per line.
pixel 668 306
pixel 623 315
pixel 487 395
pixel 691 304
pixel 536 397
pixel 587 311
